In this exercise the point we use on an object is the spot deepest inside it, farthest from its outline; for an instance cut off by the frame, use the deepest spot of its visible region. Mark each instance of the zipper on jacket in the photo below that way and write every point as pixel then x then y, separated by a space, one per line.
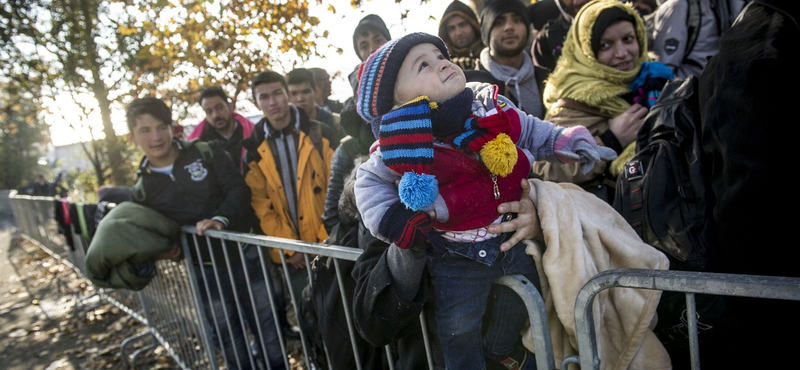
pixel 495 188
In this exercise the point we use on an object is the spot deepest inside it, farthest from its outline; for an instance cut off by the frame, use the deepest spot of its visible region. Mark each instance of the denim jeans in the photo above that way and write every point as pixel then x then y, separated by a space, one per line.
pixel 222 310
pixel 463 280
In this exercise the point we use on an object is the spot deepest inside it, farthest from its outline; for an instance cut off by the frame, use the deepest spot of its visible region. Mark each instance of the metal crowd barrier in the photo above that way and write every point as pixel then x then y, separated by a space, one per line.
pixel 171 305
pixel 690 283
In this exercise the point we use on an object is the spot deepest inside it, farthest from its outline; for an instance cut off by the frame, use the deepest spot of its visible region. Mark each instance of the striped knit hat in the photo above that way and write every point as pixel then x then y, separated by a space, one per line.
pixel 377 75
pixel 405 134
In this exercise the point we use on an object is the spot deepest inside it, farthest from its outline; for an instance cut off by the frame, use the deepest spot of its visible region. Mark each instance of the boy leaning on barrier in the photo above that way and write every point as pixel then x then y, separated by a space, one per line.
pixel 198 185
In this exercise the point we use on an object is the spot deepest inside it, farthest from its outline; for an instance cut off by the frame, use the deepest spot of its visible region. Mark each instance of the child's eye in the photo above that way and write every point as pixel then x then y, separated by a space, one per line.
pixel 441 57
pixel 423 65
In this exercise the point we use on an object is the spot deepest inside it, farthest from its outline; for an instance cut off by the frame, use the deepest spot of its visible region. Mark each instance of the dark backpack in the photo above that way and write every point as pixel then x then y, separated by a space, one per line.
pixel 662 191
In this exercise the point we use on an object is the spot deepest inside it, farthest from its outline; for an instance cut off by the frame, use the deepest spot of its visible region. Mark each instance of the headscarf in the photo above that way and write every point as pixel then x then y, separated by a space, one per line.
pixel 579 76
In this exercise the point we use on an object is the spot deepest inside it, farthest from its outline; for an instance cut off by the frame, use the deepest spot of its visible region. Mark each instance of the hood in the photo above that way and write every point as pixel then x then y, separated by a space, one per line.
pixel 373 21
pixel 494 8
pixel 457 8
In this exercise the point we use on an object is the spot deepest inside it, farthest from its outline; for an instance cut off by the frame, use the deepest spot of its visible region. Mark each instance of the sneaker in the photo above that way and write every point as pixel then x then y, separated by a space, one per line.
pixel 519 359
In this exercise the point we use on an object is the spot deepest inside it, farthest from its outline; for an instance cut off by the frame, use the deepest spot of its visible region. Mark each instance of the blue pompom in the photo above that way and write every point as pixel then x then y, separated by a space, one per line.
pixel 418 191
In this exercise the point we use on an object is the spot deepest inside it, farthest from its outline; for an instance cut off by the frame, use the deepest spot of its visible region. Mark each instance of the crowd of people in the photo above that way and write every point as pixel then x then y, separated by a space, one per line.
pixel 428 167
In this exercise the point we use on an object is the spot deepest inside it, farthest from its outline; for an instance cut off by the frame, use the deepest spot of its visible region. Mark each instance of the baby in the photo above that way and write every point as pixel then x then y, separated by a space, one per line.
pixel 448 153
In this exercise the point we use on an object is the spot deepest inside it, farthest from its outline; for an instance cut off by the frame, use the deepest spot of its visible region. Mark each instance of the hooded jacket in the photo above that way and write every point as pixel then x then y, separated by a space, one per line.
pixel 269 201
pixel 466 58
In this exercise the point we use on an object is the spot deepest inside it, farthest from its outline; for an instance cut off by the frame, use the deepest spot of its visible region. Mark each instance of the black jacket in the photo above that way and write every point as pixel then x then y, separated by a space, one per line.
pixel 197 189
pixel 357 142
pixel 741 115
pixel 382 317
pixel 232 145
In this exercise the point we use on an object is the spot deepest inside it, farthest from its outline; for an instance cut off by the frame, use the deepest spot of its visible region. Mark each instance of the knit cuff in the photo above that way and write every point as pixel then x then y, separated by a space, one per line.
pixel 404 227
pixel 550 145
pixel 223 220
pixel 610 141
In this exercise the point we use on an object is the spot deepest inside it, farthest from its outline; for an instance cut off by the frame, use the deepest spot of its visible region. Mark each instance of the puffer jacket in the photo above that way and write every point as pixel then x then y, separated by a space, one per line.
pixel 129 236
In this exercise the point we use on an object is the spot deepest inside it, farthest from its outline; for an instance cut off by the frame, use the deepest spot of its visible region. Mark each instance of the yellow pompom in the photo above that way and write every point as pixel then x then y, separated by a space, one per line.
pixel 499 155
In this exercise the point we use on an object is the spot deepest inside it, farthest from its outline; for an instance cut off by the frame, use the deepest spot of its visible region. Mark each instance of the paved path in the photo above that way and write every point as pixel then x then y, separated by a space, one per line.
pixel 29 312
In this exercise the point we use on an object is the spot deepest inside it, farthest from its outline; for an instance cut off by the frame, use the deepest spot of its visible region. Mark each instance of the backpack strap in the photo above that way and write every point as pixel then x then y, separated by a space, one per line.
pixel 205 150
pixel 138 193
pixel 692 25
pixel 634 174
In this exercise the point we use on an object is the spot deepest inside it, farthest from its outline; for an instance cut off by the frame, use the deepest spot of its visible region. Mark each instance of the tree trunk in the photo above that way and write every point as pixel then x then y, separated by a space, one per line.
pixel 98 87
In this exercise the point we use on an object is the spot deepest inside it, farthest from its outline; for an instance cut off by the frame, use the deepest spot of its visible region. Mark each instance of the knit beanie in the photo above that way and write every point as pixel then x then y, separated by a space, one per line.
pixel 373 21
pixel 405 134
pixel 494 8
pixel 378 74
pixel 605 19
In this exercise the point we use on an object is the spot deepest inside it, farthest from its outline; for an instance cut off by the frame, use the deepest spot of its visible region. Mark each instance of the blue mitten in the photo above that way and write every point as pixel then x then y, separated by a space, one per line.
pixel 576 144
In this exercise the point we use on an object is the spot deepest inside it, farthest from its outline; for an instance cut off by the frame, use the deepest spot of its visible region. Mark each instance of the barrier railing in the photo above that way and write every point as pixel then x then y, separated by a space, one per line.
pixel 690 283
pixel 176 305
pixel 177 311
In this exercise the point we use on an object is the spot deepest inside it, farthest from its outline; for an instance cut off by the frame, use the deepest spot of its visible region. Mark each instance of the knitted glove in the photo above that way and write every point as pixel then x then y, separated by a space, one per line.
pixel 406 228
pixel 576 144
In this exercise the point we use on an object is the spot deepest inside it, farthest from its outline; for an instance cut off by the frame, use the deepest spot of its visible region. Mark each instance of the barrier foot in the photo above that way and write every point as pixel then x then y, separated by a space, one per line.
pixel 128 364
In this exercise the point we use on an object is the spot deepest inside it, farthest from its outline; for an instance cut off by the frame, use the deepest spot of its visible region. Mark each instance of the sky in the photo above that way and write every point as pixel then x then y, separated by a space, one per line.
pixel 421 17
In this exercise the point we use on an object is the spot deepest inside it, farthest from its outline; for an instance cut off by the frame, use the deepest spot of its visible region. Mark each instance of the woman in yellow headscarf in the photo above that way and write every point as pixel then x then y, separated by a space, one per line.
pixel 605 81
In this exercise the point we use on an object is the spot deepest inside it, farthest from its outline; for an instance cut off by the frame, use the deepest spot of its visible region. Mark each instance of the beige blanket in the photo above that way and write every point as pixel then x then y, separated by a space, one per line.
pixel 584 236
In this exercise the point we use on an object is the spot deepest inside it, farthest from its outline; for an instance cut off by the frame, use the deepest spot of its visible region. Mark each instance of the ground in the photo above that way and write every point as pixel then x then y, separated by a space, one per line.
pixel 50 320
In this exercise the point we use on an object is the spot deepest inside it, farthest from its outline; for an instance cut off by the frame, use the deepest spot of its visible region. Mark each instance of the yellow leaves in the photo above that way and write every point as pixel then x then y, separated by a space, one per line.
pixel 127 31
pixel 206 41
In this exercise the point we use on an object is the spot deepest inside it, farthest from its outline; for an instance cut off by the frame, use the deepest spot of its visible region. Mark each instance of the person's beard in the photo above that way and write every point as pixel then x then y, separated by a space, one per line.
pixel 226 124
pixel 510 52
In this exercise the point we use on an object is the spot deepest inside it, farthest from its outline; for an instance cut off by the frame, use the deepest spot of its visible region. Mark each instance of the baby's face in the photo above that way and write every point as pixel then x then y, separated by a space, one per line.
pixel 425 71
